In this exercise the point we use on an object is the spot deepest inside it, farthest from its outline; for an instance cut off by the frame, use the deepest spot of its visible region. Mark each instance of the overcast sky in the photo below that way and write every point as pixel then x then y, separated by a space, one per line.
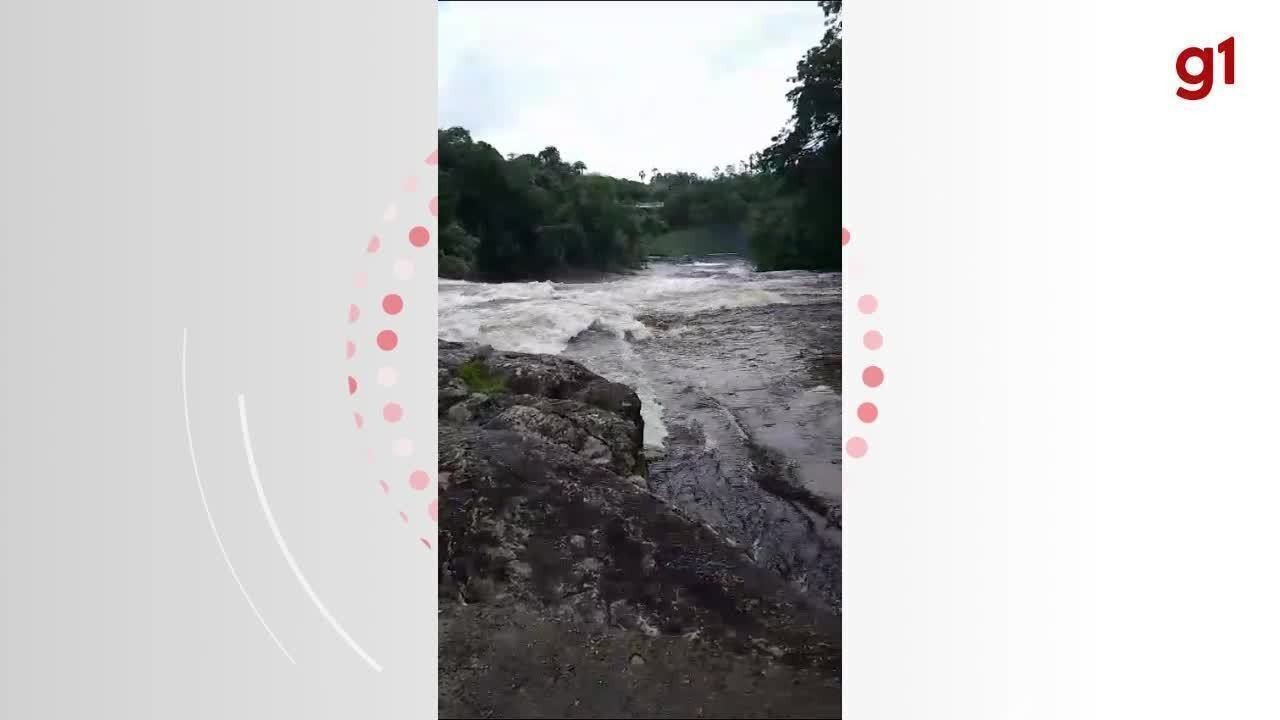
pixel 623 86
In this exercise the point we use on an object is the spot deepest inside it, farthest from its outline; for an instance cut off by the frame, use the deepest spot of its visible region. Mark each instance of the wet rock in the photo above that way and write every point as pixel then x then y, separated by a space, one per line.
pixel 529 419
pixel 479 589
pixel 595 451
pixel 452 391
pixel 458 413
pixel 560 455
pixel 551 398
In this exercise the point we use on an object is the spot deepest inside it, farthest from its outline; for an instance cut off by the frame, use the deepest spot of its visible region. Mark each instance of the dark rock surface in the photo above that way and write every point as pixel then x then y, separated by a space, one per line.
pixel 753 443
pixel 559 568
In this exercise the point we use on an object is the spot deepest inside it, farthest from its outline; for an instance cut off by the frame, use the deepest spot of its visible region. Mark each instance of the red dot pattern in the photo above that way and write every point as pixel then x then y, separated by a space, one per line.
pixel 383 283
pixel 872 375
pixel 392 412
pixel 387 340
pixel 867 412
pixel 419 236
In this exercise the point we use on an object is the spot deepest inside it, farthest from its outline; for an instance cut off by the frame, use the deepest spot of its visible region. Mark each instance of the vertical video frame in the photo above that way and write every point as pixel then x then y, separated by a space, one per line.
pixel 640 359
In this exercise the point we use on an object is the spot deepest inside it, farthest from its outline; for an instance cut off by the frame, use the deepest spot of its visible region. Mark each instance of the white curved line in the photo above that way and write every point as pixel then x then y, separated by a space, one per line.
pixel 284 549
pixel 191 445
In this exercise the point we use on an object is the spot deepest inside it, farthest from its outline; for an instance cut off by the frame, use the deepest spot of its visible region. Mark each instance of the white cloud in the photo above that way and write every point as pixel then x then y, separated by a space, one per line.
pixel 624 86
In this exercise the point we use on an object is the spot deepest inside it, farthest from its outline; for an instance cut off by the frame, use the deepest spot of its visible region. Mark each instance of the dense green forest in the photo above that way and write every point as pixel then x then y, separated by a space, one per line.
pixel 536 216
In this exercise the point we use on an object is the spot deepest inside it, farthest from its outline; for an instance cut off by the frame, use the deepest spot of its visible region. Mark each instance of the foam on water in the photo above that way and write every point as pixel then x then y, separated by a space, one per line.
pixel 544 317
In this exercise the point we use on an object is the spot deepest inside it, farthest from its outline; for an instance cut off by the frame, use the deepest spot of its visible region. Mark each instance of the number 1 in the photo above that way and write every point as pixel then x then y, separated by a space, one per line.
pixel 1228 49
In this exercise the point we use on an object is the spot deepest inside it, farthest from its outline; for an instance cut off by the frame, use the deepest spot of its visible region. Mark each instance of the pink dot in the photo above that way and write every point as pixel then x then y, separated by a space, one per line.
pixel 873 340
pixel 426 542
pixel 434 509
pixel 392 412
pixel 351 349
pixel 375 242
pixel 386 489
pixel 392 304
pixel 404 517
pixel 844 236
pixel 403 269
pixel 867 304
pixel 368 453
pixel 867 412
pixel 856 447
pixel 359 420
pixel 419 236
pixel 387 340
pixel 410 183
pixel 419 480
pixel 434 158
pixel 872 376
pixel 362 279
pixel 353 313
pixel 351 385
pixel 435 205
pixel 388 376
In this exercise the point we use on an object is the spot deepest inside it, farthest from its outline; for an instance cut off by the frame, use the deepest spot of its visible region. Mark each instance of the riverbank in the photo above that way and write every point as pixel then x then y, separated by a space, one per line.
pixel 569 588
pixel 566 275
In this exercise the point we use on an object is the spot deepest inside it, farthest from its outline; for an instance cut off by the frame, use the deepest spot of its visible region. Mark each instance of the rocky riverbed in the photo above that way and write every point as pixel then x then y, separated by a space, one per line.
pixel 738 376
pixel 575 584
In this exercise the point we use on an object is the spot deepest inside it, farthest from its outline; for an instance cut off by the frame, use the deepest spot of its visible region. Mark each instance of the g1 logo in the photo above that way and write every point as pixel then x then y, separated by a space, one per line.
pixel 1203 80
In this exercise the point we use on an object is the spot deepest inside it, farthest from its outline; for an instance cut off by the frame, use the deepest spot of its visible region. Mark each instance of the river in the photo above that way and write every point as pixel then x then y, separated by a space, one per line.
pixel 738 373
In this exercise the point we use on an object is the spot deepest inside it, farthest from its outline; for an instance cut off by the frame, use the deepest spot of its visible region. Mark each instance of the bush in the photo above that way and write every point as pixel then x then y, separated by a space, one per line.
pixel 479 378
pixel 453 267
pixel 456 242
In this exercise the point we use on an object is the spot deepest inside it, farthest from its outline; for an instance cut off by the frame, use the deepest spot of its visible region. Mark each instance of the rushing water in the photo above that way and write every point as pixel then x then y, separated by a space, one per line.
pixel 738 374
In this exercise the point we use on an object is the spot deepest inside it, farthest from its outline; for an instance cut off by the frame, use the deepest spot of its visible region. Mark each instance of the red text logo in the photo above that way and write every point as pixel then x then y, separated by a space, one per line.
pixel 1200 83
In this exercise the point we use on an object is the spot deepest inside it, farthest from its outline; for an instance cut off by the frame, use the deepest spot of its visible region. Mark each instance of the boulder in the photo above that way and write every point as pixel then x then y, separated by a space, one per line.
pixel 546 517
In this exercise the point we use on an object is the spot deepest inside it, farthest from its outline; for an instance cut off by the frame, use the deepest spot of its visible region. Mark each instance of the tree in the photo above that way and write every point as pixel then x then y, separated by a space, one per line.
pixel 530 216
pixel 550 157
pixel 534 215
pixel 805 158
